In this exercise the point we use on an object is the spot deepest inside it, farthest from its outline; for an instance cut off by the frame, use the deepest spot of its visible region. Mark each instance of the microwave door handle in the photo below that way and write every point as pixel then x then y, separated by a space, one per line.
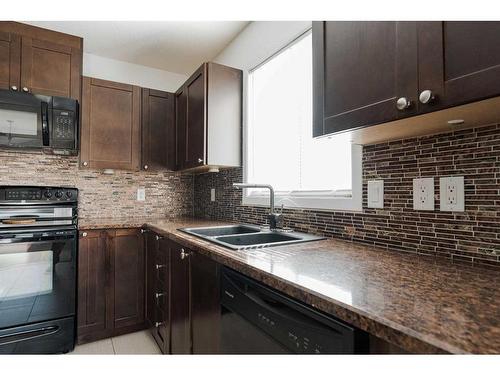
pixel 45 124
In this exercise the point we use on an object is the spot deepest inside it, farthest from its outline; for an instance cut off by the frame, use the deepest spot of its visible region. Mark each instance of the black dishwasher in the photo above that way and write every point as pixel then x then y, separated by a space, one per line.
pixel 258 320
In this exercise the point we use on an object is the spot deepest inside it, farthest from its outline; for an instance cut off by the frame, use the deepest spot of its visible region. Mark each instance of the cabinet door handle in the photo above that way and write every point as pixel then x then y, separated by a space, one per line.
pixel 14 88
pixel 200 160
pixel 158 266
pixel 158 295
pixel 85 163
pixel 158 324
pixel 84 234
pixel 158 237
pixel 25 89
pixel 184 254
pixel 426 97
pixel 146 167
pixel 403 103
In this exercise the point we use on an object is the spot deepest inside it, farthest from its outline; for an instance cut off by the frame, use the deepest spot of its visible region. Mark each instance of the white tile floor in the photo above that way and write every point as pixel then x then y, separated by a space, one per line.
pixel 134 343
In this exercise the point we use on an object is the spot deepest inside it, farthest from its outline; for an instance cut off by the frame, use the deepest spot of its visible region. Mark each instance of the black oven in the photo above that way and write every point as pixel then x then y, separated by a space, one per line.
pixel 38 269
pixel 38 122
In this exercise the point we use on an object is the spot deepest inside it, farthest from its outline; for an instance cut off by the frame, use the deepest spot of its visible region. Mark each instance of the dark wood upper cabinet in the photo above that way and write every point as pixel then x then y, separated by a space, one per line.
pixel 459 62
pixel 111 283
pixel 208 118
pixel 365 72
pixel 10 61
pixel 360 70
pixel 93 263
pixel 205 304
pixel 158 130
pixel 129 278
pixel 50 69
pixel 180 331
pixel 111 125
pixel 40 61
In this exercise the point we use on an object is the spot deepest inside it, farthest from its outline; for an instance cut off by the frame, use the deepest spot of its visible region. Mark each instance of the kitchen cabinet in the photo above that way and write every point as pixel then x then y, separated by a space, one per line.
pixel 208 118
pixel 158 130
pixel 367 73
pixel 459 62
pixel 180 339
pixel 111 283
pixel 10 60
pixel 360 69
pixel 128 276
pixel 205 304
pixel 93 281
pixel 40 61
pixel 185 317
pixel 111 125
pixel 158 289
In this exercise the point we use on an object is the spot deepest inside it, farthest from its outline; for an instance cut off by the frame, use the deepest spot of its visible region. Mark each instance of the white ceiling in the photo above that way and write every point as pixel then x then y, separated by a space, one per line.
pixel 178 47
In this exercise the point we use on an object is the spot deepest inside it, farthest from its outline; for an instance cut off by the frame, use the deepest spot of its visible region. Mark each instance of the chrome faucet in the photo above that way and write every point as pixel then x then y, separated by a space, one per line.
pixel 275 219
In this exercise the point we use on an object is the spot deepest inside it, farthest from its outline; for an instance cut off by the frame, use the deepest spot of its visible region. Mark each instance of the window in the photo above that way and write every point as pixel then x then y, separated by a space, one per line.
pixel 320 173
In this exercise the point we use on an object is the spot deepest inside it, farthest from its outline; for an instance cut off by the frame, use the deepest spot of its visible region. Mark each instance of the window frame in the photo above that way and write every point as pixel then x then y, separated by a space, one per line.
pixel 315 200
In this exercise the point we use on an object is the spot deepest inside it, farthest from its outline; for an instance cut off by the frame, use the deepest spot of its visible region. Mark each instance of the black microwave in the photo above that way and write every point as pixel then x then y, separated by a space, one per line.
pixel 42 122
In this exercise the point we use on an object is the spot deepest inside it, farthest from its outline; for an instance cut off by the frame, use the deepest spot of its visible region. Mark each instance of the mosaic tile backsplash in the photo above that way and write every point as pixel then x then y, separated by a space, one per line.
pixel 168 194
pixel 472 236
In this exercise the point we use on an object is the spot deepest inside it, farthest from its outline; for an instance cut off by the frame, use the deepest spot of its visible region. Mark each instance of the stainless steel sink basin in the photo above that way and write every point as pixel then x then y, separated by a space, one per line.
pixel 242 236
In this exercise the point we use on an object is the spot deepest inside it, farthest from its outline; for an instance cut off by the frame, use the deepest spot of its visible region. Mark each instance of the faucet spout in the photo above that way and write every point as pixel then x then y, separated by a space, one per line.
pixel 259 186
pixel 275 220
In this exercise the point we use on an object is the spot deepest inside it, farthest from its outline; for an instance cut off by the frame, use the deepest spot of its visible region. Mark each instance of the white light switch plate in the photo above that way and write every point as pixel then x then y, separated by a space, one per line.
pixel 212 195
pixel 423 194
pixel 141 194
pixel 376 194
pixel 451 194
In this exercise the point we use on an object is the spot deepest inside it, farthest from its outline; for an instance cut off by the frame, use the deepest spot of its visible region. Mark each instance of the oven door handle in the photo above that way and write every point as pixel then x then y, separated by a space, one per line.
pixel 45 124
pixel 13 338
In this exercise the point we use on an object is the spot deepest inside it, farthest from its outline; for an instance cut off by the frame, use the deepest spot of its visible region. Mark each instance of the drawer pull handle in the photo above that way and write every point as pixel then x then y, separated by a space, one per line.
pixel 158 295
pixel 158 324
pixel 158 266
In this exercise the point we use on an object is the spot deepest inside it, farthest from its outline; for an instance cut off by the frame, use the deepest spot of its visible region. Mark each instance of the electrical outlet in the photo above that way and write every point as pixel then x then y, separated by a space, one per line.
pixel 451 194
pixel 212 195
pixel 141 194
pixel 423 194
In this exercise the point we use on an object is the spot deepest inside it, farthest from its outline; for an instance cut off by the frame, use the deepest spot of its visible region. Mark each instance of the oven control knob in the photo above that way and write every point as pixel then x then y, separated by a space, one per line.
pixel 69 194
pixel 47 194
pixel 59 194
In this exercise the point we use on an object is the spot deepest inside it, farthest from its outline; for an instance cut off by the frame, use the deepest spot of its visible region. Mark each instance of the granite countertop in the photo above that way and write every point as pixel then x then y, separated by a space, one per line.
pixel 422 304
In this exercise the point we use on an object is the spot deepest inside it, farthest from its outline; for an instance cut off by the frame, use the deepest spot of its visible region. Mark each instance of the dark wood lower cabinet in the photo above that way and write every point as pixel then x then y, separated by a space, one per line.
pixel 205 304
pixel 111 283
pixel 180 340
pixel 183 307
pixel 93 264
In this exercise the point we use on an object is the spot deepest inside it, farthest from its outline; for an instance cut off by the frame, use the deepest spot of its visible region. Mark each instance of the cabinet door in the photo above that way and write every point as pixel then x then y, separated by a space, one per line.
pixel 181 126
pixel 458 61
pixel 195 122
pixel 93 282
pixel 50 69
pixel 179 300
pixel 360 70
pixel 129 279
pixel 158 130
pixel 10 60
pixel 110 134
pixel 152 247
pixel 205 304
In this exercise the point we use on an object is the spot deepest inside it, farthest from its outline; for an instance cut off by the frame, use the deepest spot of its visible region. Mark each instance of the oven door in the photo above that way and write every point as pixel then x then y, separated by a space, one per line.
pixel 23 120
pixel 37 276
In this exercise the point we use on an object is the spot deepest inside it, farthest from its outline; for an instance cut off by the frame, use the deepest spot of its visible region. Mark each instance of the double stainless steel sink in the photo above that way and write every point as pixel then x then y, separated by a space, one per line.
pixel 243 236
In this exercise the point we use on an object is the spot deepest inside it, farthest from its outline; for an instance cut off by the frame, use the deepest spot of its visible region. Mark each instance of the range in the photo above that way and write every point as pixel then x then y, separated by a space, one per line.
pixel 38 255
